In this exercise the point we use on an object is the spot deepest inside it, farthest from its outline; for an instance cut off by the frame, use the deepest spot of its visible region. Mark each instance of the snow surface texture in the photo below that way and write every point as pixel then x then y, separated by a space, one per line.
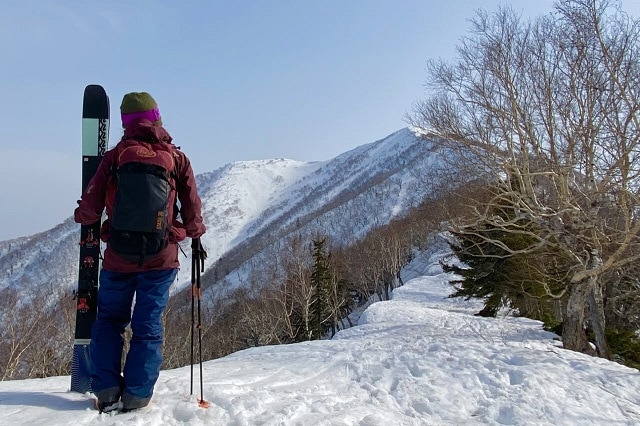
pixel 420 359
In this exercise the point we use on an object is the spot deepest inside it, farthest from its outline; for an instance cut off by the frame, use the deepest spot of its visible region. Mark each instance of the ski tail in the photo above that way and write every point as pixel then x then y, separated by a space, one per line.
pixel 81 369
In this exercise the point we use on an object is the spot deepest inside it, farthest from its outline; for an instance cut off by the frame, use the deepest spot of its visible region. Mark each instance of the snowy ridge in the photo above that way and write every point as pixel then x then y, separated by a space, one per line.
pixel 242 191
pixel 343 199
pixel 251 206
pixel 36 260
pixel 419 359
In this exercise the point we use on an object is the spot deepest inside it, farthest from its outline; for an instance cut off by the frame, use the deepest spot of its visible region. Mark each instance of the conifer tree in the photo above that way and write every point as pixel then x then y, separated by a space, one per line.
pixel 320 280
pixel 501 268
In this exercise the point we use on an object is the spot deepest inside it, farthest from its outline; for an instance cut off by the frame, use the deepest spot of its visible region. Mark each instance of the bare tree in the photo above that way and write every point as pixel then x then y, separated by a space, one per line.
pixel 548 110
pixel 299 293
pixel 35 333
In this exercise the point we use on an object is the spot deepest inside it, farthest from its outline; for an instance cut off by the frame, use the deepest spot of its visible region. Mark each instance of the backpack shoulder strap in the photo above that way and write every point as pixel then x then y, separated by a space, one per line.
pixel 115 164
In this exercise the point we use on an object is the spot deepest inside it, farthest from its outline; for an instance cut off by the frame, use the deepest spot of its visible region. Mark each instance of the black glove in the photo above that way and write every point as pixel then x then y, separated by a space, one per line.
pixel 195 244
pixel 198 250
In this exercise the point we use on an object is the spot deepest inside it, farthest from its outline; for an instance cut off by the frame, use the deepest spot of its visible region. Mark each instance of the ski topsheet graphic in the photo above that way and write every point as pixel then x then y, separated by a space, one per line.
pixel 95 136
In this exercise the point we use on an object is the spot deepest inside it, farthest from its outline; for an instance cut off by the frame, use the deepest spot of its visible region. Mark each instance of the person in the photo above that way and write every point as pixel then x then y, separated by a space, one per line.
pixel 149 278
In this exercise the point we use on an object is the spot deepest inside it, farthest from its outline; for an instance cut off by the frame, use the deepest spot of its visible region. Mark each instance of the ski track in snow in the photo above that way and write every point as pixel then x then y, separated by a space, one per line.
pixel 420 359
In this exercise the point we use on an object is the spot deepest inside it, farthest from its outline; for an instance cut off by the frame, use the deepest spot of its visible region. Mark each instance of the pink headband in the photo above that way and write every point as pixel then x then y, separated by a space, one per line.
pixel 151 115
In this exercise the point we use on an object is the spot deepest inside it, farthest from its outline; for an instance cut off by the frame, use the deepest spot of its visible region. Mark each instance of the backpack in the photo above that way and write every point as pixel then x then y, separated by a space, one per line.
pixel 142 210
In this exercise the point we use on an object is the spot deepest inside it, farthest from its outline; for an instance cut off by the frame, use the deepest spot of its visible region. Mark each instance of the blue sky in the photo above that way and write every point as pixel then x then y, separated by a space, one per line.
pixel 234 80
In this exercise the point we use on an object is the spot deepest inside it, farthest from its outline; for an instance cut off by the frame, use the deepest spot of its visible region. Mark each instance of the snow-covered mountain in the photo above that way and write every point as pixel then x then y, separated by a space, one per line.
pixel 250 205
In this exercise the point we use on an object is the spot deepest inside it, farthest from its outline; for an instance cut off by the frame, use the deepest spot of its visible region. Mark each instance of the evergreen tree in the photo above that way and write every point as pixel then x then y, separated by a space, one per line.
pixel 502 270
pixel 321 281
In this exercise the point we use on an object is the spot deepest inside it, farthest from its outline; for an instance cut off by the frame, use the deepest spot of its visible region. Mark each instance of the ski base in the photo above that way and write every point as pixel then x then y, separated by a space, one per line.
pixel 95 137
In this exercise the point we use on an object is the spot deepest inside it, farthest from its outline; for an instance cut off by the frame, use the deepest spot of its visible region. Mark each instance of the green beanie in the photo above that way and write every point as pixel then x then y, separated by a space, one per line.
pixel 137 106
pixel 137 102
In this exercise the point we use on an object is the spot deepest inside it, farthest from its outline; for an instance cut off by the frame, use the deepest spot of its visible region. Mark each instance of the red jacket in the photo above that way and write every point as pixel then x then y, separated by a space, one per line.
pixel 100 194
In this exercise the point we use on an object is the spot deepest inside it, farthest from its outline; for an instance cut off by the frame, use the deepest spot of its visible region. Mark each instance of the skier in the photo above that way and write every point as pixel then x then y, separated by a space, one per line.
pixel 152 268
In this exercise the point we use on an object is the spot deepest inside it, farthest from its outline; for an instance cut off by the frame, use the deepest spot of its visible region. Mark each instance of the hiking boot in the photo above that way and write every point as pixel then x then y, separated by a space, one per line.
pixel 108 399
pixel 107 406
pixel 130 402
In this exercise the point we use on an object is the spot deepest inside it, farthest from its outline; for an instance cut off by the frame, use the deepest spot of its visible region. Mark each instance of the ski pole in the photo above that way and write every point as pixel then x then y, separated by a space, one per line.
pixel 194 265
pixel 198 266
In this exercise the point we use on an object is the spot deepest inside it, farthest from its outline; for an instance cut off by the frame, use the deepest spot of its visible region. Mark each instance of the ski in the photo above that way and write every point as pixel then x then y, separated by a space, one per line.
pixel 95 136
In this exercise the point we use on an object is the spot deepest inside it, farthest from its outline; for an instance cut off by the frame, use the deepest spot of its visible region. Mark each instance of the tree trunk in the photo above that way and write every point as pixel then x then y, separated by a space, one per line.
pixel 596 310
pixel 574 336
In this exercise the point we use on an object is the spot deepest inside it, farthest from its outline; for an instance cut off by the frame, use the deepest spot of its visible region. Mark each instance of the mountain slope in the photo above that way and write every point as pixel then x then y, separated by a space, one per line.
pixel 342 198
pixel 250 205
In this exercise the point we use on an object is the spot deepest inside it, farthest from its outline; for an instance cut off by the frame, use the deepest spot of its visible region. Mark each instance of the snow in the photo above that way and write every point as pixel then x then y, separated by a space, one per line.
pixel 343 198
pixel 233 198
pixel 419 359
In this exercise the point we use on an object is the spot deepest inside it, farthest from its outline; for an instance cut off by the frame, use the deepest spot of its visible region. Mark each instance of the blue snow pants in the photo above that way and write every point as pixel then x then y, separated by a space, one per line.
pixel 142 365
